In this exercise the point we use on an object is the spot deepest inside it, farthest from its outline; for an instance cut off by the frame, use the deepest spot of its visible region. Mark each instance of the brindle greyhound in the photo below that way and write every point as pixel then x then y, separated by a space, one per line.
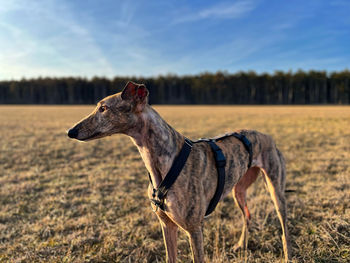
pixel 187 200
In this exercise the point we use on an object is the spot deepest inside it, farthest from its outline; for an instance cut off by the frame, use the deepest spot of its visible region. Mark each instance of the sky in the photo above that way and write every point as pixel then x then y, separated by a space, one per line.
pixel 86 38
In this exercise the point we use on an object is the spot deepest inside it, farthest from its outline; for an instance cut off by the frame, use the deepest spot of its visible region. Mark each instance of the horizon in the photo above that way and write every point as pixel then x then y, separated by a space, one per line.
pixel 126 39
pixel 111 78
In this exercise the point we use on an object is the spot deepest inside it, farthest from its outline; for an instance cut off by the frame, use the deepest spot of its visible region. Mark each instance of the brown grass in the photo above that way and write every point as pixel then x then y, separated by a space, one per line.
pixel 65 201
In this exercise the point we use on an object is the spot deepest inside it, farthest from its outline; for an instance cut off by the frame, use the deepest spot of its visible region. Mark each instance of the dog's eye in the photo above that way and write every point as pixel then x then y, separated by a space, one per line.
pixel 102 108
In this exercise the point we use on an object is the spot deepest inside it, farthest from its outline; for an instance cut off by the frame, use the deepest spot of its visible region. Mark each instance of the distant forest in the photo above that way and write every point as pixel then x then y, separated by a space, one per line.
pixel 312 87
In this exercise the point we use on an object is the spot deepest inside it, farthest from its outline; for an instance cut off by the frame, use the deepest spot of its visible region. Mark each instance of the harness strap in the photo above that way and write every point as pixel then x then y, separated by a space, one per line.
pixel 220 162
pixel 247 144
pixel 160 192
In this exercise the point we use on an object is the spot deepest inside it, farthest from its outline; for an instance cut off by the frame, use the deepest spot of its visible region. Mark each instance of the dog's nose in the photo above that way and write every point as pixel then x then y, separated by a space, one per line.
pixel 73 133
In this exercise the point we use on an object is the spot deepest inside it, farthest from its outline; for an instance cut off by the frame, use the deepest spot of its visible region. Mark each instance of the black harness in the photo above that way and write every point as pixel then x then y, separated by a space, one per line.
pixel 159 193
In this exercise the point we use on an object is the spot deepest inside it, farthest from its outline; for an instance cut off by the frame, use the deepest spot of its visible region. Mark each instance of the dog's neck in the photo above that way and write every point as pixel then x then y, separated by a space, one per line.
pixel 157 142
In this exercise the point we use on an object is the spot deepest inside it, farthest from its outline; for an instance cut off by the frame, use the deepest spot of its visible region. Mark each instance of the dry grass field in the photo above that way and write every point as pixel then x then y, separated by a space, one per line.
pixel 66 201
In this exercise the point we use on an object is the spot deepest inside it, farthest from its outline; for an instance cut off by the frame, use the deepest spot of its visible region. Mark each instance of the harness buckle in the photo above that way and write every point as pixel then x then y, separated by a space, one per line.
pixel 158 204
pixel 156 201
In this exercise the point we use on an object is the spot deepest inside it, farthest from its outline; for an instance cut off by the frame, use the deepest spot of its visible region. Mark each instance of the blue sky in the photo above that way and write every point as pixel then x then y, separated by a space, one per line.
pixel 148 38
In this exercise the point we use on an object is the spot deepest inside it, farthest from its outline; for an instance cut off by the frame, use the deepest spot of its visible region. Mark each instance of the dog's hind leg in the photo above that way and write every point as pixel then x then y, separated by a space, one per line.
pixel 196 240
pixel 169 229
pixel 239 195
pixel 274 177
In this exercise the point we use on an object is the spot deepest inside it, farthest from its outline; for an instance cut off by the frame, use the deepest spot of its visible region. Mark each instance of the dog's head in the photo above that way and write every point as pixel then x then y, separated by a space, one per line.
pixel 118 113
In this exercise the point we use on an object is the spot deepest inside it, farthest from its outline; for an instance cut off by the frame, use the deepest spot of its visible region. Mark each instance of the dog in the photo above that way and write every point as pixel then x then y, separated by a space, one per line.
pixel 186 202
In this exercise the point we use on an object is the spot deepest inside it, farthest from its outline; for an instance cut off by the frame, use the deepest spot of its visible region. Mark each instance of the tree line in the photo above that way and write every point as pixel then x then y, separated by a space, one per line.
pixel 312 87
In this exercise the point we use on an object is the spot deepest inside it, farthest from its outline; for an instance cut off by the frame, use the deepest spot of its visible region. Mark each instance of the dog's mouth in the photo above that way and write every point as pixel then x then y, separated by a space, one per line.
pixel 96 135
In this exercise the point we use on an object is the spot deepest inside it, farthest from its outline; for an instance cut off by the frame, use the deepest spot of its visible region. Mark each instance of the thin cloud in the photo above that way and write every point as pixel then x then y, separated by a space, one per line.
pixel 69 50
pixel 219 11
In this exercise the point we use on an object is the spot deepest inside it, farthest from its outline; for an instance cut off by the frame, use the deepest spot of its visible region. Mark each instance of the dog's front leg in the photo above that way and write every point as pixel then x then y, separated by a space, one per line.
pixel 169 229
pixel 196 240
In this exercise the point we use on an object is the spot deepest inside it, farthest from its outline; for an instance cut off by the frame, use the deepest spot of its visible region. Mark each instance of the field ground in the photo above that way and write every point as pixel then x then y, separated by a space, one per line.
pixel 65 201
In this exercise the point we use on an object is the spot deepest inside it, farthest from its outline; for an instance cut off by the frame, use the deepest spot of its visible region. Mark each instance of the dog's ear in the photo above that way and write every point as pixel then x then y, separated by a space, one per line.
pixel 135 92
